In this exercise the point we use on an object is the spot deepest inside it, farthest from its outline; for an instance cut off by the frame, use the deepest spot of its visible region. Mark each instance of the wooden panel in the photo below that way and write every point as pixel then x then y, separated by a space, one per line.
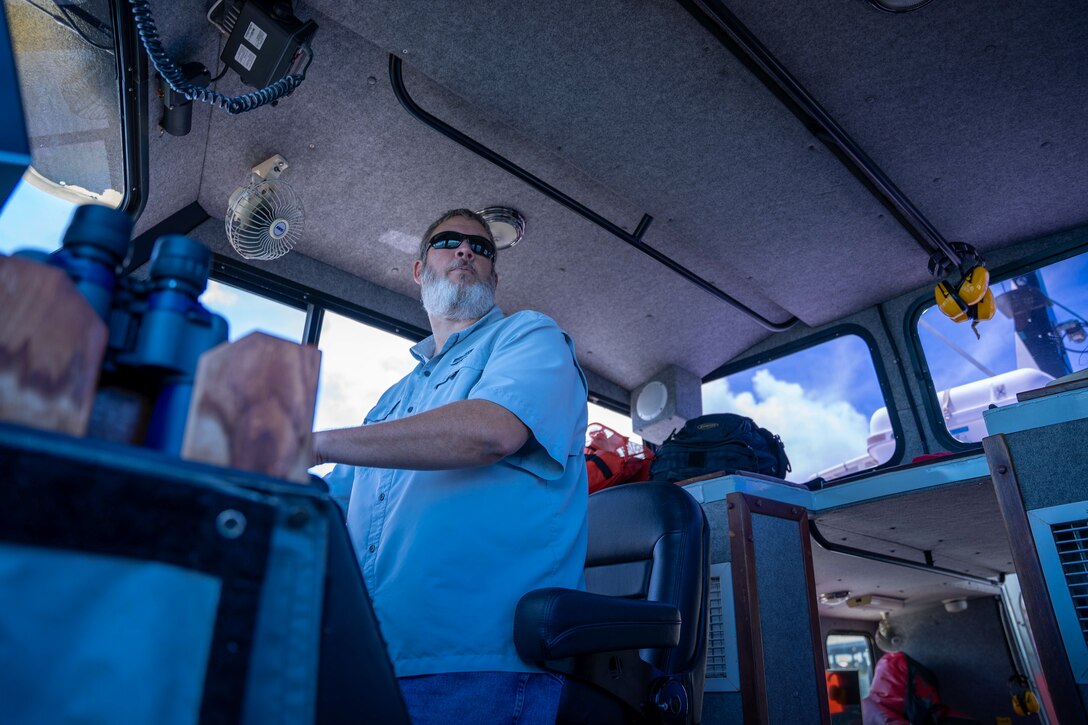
pixel 51 348
pixel 751 644
pixel 1059 687
pixel 1080 380
pixel 253 407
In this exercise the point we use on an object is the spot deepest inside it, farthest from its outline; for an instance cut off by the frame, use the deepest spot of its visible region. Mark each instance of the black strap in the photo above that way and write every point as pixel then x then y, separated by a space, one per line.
pixel 596 460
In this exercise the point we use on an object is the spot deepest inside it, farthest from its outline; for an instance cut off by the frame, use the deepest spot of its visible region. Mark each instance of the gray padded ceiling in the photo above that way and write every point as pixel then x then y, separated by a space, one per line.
pixel 641 98
pixel 975 108
pixel 375 177
pixel 631 107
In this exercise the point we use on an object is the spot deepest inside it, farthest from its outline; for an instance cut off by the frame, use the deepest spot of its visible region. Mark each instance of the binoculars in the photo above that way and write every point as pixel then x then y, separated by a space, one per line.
pixel 157 327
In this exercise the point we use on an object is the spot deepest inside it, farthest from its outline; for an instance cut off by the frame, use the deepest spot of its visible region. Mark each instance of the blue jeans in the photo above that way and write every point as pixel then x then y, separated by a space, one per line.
pixel 482 698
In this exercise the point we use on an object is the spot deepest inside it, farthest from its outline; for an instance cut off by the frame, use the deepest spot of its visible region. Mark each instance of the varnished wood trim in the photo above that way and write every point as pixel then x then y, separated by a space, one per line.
pixel 1049 390
pixel 1060 685
pixel 814 620
pixel 753 684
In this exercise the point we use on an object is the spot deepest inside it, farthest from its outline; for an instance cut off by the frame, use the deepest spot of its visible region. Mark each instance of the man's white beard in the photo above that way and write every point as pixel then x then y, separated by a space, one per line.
pixel 449 300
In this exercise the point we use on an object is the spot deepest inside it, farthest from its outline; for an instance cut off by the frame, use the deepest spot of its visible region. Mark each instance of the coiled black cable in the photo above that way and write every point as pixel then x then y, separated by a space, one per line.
pixel 149 36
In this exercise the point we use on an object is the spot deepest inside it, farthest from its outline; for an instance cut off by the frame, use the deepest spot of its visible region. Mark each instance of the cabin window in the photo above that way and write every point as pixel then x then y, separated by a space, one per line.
pixel 358 363
pixel 1039 333
pixel 33 218
pixel 247 312
pixel 825 402
pixel 619 422
pixel 66 62
pixel 852 651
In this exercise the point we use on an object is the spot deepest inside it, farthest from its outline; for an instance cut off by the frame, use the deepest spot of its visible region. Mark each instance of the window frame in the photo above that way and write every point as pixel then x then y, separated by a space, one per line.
pixel 132 81
pixel 852 633
pixel 818 338
pixel 916 353
pixel 131 73
pixel 314 302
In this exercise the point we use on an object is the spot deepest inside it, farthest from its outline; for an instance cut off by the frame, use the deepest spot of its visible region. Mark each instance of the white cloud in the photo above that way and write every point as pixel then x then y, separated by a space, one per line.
pixel 818 432
pixel 220 297
pixel 358 364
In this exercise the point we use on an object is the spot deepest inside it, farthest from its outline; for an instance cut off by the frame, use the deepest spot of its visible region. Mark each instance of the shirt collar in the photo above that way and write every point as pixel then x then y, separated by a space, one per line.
pixel 424 349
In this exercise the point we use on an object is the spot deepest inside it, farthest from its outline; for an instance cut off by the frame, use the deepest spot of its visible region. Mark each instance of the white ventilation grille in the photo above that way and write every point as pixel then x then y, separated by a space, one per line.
pixel 1060 534
pixel 1071 539
pixel 721 652
pixel 716 664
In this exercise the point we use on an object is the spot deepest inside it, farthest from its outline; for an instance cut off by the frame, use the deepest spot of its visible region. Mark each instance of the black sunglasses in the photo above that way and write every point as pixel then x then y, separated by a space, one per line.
pixel 452 240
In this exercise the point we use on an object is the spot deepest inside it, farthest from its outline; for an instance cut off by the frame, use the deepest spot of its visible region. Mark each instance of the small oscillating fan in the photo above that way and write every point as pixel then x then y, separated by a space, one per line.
pixel 264 218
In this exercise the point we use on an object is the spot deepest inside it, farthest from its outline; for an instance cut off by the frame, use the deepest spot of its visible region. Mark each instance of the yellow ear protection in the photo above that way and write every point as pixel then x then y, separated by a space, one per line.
pixel 1024 702
pixel 963 292
pixel 950 303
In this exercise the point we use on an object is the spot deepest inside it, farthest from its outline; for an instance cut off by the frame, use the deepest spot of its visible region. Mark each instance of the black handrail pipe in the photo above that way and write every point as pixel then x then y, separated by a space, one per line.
pixel 746 47
pixel 396 77
pixel 894 560
pixel 132 75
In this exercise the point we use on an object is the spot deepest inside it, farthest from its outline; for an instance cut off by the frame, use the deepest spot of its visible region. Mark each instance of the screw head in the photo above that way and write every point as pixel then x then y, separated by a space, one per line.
pixel 298 517
pixel 230 523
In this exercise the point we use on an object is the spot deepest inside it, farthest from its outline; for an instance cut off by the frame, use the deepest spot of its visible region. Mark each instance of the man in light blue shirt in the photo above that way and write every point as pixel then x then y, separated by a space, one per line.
pixel 468 489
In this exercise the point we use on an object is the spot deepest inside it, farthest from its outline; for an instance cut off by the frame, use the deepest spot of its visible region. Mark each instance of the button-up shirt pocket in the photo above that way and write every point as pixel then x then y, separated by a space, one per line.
pixel 382 411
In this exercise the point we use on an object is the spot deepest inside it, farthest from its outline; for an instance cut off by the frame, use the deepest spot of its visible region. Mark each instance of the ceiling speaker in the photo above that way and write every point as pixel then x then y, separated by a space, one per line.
pixel 665 402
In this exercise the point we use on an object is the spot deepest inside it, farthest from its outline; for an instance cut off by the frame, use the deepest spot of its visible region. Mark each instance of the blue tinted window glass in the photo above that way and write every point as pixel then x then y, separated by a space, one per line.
pixel 33 219
pixel 247 312
pixel 824 402
pixel 1038 334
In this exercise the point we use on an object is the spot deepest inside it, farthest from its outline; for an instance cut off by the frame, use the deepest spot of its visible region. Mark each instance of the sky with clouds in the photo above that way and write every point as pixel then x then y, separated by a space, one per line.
pixel 818 400
pixel 33 219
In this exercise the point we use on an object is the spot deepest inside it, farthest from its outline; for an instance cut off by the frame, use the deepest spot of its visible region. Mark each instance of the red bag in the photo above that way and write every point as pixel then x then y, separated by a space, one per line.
pixel 612 459
pixel 904 692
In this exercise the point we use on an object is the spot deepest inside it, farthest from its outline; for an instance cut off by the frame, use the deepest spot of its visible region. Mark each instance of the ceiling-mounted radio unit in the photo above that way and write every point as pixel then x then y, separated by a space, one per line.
pixel 265 40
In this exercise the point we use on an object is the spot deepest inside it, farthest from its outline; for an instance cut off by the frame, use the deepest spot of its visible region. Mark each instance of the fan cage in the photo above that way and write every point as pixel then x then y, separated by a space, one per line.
pixel 265 220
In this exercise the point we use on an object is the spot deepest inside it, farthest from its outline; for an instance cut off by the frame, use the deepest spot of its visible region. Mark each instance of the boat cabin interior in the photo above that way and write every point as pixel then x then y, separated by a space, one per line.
pixel 862 224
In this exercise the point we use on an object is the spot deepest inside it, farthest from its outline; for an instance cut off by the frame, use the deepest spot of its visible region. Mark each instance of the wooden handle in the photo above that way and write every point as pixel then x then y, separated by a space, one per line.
pixel 253 407
pixel 51 348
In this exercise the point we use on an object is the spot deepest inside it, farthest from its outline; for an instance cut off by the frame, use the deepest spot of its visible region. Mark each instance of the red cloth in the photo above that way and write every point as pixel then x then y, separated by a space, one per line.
pixel 885 704
pixel 624 461
pixel 930 456
pixel 887 700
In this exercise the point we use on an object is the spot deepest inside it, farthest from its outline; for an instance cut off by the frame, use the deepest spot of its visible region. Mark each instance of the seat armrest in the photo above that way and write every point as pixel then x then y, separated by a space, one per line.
pixel 551 624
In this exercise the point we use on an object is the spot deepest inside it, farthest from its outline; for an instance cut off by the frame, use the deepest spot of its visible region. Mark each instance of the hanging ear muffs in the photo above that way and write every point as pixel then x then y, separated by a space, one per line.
pixel 1024 702
pixel 950 303
pixel 986 307
pixel 975 284
pixel 962 290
